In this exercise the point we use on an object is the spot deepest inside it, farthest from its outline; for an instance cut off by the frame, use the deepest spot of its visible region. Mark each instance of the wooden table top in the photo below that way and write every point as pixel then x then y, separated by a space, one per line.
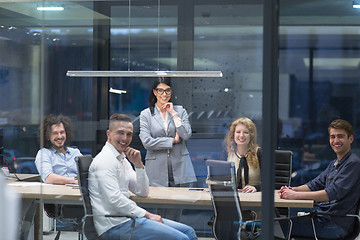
pixel 157 195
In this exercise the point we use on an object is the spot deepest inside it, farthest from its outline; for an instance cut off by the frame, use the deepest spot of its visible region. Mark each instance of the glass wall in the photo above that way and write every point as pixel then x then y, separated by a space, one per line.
pixel 318 73
pixel 39 47
pixel 167 37
pixel 319 69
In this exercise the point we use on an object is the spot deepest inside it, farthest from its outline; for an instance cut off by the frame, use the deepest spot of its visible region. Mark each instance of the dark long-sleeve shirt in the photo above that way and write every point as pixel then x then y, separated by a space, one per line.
pixel 341 181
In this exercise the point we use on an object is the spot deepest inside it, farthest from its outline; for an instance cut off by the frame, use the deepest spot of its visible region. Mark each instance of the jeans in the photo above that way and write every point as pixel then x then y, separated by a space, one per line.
pixel 146 229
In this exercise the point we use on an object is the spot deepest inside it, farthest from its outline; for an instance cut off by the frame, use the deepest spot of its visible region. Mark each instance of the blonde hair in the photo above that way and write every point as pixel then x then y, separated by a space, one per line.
pixel 231 146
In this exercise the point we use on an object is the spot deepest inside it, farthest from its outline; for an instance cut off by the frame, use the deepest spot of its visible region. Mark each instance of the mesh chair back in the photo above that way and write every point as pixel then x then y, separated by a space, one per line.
pixel 225 199
pixel 83 165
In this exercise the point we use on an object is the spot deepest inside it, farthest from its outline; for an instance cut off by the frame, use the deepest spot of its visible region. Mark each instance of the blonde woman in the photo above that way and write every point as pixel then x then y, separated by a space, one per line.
pixel 245 153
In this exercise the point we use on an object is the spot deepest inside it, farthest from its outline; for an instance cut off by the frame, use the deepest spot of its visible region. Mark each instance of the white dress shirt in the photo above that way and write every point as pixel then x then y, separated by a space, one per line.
pixel 111 176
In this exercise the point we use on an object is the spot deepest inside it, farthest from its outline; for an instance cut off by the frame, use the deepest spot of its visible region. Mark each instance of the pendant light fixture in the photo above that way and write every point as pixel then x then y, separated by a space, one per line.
pixel 157 73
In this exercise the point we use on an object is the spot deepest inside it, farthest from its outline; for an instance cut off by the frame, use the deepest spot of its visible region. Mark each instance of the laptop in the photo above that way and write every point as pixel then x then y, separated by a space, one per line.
pixel 25 177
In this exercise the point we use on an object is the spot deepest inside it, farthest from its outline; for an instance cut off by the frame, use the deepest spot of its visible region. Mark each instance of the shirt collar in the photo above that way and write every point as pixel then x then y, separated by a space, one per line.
pixel 159 110
pixel 67 151
pixel 119 156
pixel 339 162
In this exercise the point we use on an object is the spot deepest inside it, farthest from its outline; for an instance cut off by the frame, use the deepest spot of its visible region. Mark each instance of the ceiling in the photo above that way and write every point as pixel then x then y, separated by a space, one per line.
pixel 231 14
pixel 305 24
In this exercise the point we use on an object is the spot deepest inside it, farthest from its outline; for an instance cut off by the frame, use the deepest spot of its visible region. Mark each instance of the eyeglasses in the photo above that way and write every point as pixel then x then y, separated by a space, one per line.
pixel 161 91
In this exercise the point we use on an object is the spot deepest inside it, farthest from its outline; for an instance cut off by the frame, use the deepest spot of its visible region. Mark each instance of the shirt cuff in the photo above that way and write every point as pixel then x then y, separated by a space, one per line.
pixel 139 212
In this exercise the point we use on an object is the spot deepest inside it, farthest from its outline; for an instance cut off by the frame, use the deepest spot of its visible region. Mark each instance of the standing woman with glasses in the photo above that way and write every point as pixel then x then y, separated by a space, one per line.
pixel 164 130
pixel 245 153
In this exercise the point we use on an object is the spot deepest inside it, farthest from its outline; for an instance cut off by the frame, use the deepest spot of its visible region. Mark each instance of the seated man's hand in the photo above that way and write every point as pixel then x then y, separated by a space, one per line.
pixel 134 157
pixel 283 188
pixel 154 217
pixel 74 181
pixel 53 178
pixel 287 193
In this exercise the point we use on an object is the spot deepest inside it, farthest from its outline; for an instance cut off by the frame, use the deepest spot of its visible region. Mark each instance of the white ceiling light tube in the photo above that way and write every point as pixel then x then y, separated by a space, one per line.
pixel 112 90
pixel 50 8
pixel 144 74
pixel 356 3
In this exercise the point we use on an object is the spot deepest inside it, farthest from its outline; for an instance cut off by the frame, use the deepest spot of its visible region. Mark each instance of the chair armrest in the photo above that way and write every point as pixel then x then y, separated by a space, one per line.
pixel 329 214
pixel 106 215
pixel 112 215
pixel 313 214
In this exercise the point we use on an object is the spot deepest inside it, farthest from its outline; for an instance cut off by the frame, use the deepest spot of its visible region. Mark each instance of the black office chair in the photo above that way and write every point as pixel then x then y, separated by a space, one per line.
pixel 68 215
pixel 230 221
pixel 283 169
pixel 88 227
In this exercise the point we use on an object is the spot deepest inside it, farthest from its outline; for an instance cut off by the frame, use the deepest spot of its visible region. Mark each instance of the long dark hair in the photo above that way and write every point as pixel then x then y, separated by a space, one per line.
pixel 52 119
pixel 152 97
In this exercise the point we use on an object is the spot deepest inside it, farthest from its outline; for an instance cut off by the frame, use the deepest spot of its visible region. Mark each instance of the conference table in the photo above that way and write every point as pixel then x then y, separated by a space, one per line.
pixel 159 197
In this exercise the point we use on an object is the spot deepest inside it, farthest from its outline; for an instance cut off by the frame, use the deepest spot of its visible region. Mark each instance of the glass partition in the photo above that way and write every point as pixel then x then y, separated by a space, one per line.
pixel 318 74
pixel 319 65
pixel 39 46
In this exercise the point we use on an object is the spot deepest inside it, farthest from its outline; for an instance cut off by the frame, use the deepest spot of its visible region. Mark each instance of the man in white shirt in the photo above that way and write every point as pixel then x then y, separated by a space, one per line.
pixel 111 176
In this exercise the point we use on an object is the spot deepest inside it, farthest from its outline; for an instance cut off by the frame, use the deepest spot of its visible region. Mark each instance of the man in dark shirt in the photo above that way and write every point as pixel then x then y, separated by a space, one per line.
pixel 337 189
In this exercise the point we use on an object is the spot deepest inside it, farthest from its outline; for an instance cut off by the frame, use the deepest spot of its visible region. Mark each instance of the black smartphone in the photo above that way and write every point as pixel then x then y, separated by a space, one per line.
pixel 195 189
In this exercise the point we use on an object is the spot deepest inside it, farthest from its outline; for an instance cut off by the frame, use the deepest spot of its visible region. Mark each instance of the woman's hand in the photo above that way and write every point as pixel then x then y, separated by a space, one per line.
pixel 177 138
pixel 249 189
pixel 169 107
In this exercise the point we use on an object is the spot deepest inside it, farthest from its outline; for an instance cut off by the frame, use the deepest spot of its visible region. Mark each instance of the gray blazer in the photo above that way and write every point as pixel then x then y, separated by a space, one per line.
pixel 161 151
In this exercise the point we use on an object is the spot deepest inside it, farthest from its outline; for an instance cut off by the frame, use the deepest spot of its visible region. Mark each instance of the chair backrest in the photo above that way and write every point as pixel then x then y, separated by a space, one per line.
pixel 52 210
pixel 83 165
pixel 222 184
pixel 283 168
